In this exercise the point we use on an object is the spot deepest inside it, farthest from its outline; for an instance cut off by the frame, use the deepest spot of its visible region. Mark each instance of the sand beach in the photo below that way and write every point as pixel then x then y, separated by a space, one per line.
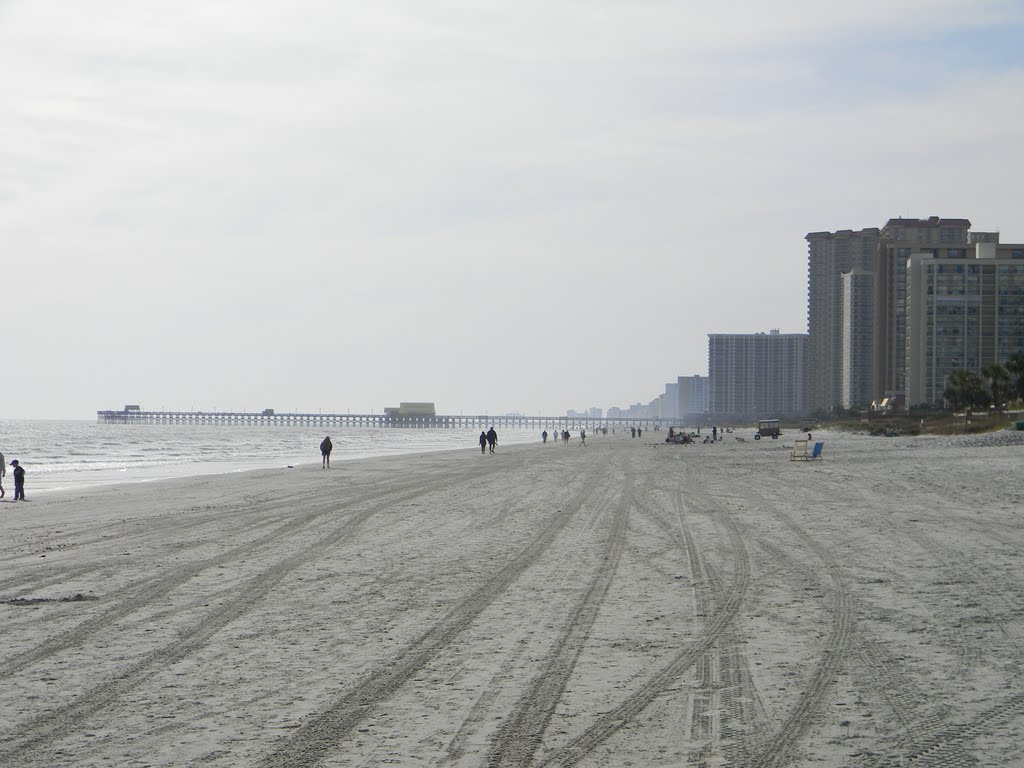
pixel 624 603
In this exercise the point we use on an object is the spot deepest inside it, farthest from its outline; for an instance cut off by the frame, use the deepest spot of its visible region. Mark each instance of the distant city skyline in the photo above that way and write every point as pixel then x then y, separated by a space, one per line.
pixel 339 206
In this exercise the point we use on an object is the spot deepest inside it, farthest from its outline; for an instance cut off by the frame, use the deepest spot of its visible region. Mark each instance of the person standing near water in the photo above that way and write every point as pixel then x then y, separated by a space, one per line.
pixel 3 474
pixel 544 436
pixel 483 442
pixel 325 451
pixel 492 438
pixel 19 480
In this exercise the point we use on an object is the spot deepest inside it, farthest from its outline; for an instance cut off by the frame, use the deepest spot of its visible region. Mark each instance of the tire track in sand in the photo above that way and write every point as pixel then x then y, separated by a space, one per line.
pixel 609 723
pixel 322 731
pixel 62 720
pixel 944 747
pixel 977 584
pixel 778 749
pixel 727 712
pixel 521 734
pixel 150 590
pixel 726 704
pixel 932 740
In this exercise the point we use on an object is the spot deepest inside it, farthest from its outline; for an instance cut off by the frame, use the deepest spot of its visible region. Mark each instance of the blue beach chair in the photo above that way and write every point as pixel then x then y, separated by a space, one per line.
pixel 800 452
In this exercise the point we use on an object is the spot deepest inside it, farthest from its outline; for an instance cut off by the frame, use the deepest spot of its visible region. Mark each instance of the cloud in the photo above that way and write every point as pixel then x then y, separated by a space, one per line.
pixel 364 191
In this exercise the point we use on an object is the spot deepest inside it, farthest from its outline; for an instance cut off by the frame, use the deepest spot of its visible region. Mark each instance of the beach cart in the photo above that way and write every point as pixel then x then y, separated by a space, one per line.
pixel 768 428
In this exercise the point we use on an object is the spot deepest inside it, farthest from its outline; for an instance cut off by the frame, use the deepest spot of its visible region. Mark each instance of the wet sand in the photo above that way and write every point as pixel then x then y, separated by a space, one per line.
pixel 624 603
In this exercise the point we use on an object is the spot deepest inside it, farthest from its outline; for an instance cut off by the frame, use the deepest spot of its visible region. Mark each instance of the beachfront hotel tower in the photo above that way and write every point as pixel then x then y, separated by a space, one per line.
pixel 857 342
pixel 861 347
pixel 756 375
pixel 899 239
pixel 964 312
pixel 830 255
pixel 692 394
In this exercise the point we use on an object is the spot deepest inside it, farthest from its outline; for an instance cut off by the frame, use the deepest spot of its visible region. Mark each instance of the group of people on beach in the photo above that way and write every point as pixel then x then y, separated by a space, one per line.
pixel 19 478
pixel 565 435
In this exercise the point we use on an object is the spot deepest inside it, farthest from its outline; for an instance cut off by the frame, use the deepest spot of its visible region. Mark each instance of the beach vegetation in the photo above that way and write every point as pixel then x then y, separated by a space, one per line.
pixel 1015 368
pixel 999 383
pixel 930 421
pixel 966 391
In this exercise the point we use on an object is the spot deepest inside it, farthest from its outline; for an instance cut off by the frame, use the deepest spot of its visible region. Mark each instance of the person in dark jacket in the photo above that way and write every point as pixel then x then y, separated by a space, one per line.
pixel 19 480
pixel 483 442
pixel 325 451
pixel 492 438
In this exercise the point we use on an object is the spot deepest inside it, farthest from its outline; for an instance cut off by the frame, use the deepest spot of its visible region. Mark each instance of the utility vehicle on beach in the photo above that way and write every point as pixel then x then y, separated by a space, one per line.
pixel 768 428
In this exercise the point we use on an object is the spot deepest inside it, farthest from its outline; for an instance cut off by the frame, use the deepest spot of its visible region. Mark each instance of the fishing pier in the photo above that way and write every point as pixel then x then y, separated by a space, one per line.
pixel 387 420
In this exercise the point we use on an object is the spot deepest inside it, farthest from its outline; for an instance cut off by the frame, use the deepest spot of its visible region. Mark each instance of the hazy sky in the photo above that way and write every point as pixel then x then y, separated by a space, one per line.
pixel 533 206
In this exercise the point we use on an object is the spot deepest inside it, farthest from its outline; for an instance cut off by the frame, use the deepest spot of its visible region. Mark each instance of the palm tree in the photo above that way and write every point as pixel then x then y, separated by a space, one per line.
pixel 999 383
pixel 965 389
pixel 1015 367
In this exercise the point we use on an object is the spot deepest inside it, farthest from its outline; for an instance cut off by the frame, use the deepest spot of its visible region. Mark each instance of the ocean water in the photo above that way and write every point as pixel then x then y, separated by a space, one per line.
pixel 62 455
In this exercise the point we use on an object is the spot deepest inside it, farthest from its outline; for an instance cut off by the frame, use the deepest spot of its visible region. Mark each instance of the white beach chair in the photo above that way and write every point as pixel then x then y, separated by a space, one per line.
pixel 799 451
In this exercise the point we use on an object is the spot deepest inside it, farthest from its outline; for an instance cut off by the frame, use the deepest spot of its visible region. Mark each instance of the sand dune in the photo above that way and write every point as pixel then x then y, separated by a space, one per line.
pixel 623 603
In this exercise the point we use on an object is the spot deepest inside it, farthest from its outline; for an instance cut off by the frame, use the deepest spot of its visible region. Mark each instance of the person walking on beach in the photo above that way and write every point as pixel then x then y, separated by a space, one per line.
pixel 714 434
pixel 492 438
pixel 325 451
pixel 544 437
pixel 3 474
pixel 583 437
pixel 632 432
pixel 483 441
pixel 19 480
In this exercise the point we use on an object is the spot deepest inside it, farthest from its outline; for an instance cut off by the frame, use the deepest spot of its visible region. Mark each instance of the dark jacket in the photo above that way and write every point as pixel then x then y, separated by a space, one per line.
pixel 326 446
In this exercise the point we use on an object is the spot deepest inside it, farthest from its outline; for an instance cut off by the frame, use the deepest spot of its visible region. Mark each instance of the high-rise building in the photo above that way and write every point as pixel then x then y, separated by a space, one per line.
pixel 830 255
pixel 759 375
pixel 961 312
pixel 856 357
pixel 692 402
pixel 857 342
pixel 670 409
pixel 899 238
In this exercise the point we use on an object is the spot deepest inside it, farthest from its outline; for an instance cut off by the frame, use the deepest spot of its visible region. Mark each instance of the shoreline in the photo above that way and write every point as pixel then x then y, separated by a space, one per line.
pixel 236 471
pixel 46 477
